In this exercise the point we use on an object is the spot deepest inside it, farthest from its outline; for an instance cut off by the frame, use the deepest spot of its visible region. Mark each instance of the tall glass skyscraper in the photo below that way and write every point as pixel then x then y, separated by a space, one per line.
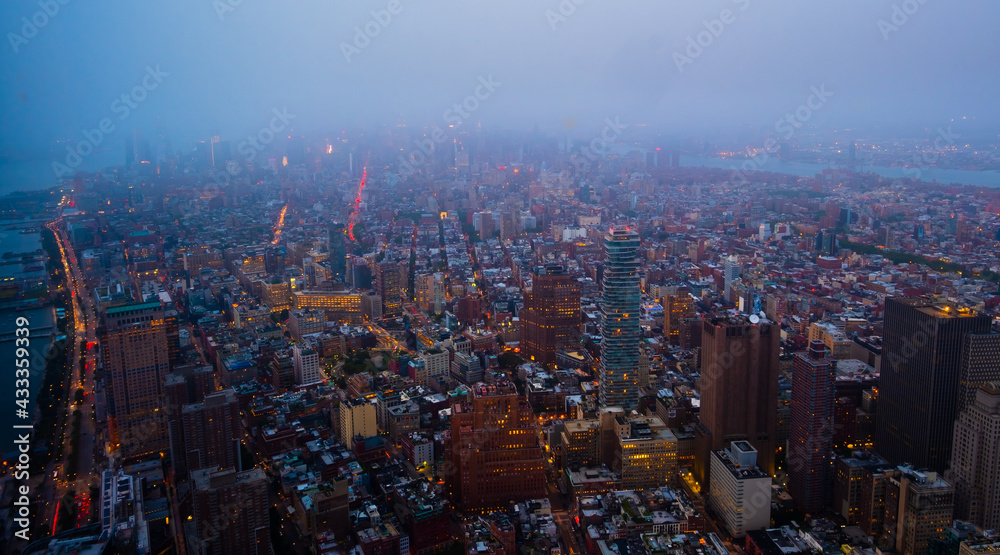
pixel 921 382
pixel 338 252
pixel 620 324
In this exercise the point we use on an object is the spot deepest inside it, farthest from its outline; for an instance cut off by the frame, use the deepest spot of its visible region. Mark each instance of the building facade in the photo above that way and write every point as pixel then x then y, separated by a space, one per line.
pixel 920 384
pixel 230 512
pixel 620 333
pixel 740 492
pixel 495 450
pixel 975 460
pixel 136 358
pixel 550 319
pixel 810 438
pixel 739 389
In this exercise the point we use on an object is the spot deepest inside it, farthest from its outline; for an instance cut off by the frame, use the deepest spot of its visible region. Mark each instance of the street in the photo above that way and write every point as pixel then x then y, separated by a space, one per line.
pixel 84 343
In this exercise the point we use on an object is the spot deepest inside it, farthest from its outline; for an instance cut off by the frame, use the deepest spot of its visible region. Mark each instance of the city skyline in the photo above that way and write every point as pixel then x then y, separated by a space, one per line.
pixel 552 277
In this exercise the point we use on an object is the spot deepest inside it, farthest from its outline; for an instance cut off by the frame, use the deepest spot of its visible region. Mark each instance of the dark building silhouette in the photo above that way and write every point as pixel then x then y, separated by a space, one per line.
pixel 338 252
pixel 210 432
pixel 980 365
pixel 230 512
pixel 390 289
pixel 810 437
pixel 739 389
pixel 550 319
pixel 920 383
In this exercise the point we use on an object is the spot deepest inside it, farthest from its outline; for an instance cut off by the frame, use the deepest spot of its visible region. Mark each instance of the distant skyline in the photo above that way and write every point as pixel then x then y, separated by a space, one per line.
pixel 566 64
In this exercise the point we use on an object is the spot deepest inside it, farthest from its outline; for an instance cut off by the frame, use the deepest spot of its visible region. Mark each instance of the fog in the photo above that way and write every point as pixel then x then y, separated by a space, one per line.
pixel 683 66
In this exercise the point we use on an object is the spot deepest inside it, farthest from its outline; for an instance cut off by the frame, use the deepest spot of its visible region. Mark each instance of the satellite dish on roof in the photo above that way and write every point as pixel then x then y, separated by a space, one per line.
pixel 754 319
pixel 763 315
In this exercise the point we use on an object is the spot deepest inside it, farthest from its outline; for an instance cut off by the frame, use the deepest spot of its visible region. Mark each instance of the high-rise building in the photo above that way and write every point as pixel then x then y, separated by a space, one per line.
pixel 133 338
pixel 886 238
pixel 389 284
pixel 495 451
pixel 740 492
pixel 918 509
pixel 550 319
pixel 920 384
pixel 509 224
pixel 975 459
pixel 305 360
pixel 980 365
pixel 731 273
pixel 357 418
pixel 678 307
pixel 230 512
pixel 810 438
pixel 619 375
pixel 210 432
pixel 429 292
pixel 337 243
pixel 739 388
pixel 483 223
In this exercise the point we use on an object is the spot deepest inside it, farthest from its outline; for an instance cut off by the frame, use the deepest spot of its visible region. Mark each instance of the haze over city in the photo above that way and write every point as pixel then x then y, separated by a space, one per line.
pixel 229 64
pixel 539 277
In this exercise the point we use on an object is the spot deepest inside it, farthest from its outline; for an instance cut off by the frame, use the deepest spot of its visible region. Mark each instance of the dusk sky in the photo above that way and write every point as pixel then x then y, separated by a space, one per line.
pixel 229 66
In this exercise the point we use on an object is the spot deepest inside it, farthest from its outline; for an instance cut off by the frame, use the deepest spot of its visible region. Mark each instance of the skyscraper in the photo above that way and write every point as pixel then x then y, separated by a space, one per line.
pixel 980 365
pixel 230 512
pixel 921 379
pixel 338 252
pixel 739 388
pixel 210 432
pixel 390 289
pixel 975 459
pixel 619 379
pixel 731 273
pixel 550 318
pixel 810 438
pixel 495 450
pixel 678 306
pixel 136 357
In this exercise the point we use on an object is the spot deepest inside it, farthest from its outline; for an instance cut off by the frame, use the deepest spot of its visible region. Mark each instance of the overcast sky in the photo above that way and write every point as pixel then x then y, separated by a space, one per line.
pixel 605 58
